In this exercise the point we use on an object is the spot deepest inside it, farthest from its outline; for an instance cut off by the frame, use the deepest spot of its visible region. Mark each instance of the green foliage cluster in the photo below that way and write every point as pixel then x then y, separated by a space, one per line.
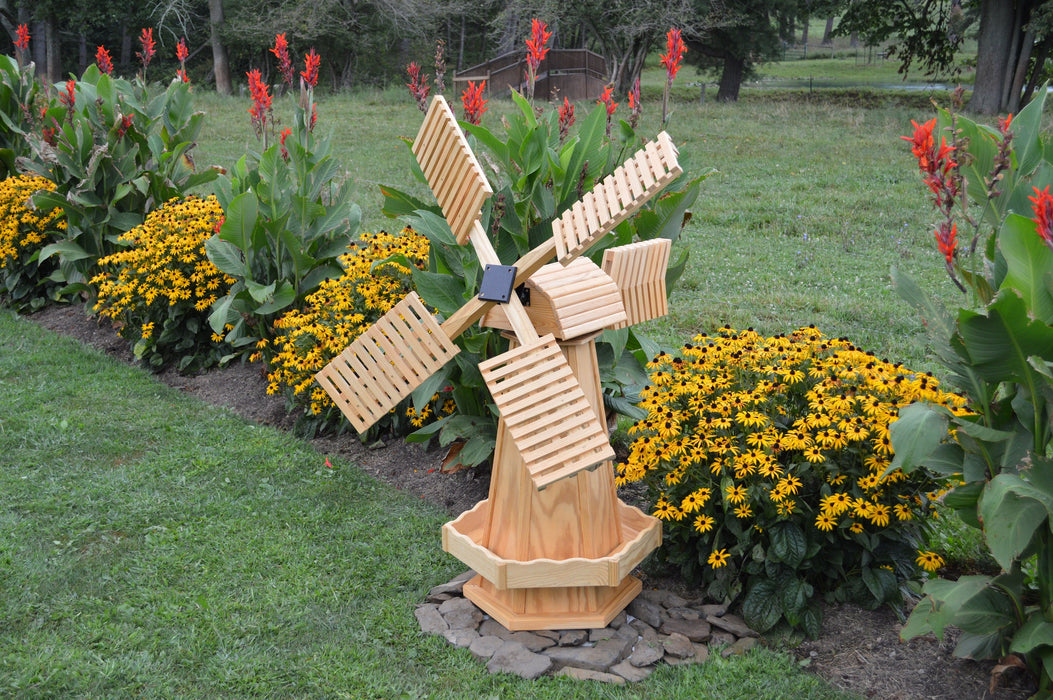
pixel 998 351
pixel 536 173
pixel 768 458
pixel 115 153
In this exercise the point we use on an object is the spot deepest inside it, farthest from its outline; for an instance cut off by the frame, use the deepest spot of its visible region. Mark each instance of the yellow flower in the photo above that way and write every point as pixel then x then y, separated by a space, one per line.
pixel 879 514
pixel 743 511
pixel 718 558
pixel 825 522
pixel 703 523
pixel 735 493
pixel 902 512
pixel 930 561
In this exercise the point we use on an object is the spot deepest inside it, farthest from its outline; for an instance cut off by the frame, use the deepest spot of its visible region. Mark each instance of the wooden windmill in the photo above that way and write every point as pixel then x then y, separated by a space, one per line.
pixel 553 545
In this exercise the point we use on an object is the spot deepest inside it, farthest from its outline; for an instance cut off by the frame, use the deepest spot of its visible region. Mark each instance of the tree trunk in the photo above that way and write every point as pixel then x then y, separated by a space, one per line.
pixel 82 49
pixel 54 50
pixel 1040 62
pixel 39 50
pixel 827 40
pixel 731 79
pixel 220 64
pixel 994 42
pixel 1016 86
pixel 804 33
pixel 126 46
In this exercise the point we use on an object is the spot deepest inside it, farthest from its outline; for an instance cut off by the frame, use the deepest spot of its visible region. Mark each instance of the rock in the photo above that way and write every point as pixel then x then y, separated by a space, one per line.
pixel 554 635
pixel 584 674
pixel 461 637
pixel 647 653
pixel 598 635
pixel 437 597
pixel 513 657
pixel 695 630
pixel 646 632
pixel 718 638
pixel 631 673
pixel 597 658
pixel 667 599
pixel 643 609
pixel 533 642
pixel 740 647
pixel 461 613
pixel 455 587
pixel 678 646
pixel 484 647
pixel 684 614
pixel 700 656
pixel 431 622
pixel 619 621
pixel 713 610
pixel 573 638
pixel 627 633
pixel 733 624
pixel 493 628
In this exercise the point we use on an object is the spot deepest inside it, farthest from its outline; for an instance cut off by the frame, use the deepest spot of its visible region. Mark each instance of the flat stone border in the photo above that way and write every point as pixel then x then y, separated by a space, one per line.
pixel 657 627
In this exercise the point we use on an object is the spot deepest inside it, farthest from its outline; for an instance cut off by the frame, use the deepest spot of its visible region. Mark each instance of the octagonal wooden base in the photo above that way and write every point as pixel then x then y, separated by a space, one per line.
pixel 566 607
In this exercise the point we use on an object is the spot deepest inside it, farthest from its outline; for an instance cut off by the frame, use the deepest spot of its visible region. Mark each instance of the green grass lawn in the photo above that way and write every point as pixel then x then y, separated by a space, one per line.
pixel 152 546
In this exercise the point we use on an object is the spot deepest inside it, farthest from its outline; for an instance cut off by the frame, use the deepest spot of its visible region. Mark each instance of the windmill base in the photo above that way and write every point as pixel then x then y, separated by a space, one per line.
pixel 569 607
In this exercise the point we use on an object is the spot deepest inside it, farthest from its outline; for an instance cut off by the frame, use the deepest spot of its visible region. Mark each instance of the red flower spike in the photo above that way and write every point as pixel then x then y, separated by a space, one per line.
pixel 536 51
pixel 607 98
pixel 674 53
pixel 1042 205
pixel 566 118
pixel 474 104
pixel 634 104
pixel 261 102
pixel 418 85
pixel 947 240
pixel 103 60
pixel 126 123
pixel 285 65
pixel 146 38
pixel 181 51
pixel 68 98
pixel 281 137
pixel 310 71
pixel 22 40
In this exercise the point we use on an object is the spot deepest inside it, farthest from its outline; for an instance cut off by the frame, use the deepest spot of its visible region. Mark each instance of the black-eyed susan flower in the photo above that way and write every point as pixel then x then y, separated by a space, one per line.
pixel 718 558
pixel 930 561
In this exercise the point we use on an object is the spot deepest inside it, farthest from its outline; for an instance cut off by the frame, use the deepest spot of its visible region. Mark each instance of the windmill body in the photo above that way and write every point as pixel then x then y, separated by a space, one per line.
pixel 552 545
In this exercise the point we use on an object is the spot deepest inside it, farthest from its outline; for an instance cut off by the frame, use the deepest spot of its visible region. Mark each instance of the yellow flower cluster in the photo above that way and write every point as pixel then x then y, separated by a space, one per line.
pixel 23 229
pixel 164 264
pixel 340 310
pixel 750 428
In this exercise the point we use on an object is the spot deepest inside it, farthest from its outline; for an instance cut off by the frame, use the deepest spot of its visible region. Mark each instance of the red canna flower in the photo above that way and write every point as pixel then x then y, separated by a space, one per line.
pixel 418 85
pixel 281 51
pixel 474 104
pixel 261 103
pixel 607 98
pixel 946 241
pixel 1042 204
pixel 103 60
pixel 49 136
pixel 126 123
pixel 22 40
pixel 536 51
pixel 674 53
pixel 310 71
pixel 68 98
pixel 282 136
pixel 146 38
pixel 181 51
pixel 634 104
pixel 566 119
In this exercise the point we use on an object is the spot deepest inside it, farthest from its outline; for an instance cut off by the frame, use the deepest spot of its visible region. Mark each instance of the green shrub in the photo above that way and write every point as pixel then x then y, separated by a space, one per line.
pixel 24 231
pixel 161 286
pixel 768 458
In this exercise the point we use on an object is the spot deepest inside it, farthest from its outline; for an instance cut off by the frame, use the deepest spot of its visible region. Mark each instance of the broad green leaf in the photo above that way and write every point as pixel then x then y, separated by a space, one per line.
pixel 259 292
pixel 283 296
pixel 226 256
pixel 1000 342
pixel 240 222
pixel 432 226
pixel 916 435
pixel 935 318
pixel 222 313
pixel 423 394
pixel 1030 265
pixel 444 292
pixel 621 405
pixel 762 606
pixel 1035 632
pixel 68 250
pixel 1027 130
pixel 980 646
pixel 788 543
pixel 477 450
pixel 1011 510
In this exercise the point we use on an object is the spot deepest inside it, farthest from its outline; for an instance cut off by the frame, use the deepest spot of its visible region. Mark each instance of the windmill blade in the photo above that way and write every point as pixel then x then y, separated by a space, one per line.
pixel 619 196
pixel 386 363
pixel 452 171
pixel 638 270
pixel 551 421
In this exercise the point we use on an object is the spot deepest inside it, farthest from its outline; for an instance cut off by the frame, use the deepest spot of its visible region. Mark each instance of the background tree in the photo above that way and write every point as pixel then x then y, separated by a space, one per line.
pixel 1013 38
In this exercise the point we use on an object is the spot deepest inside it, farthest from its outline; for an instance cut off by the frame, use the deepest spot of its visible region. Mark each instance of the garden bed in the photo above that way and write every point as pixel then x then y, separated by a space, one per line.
pixel 858 651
